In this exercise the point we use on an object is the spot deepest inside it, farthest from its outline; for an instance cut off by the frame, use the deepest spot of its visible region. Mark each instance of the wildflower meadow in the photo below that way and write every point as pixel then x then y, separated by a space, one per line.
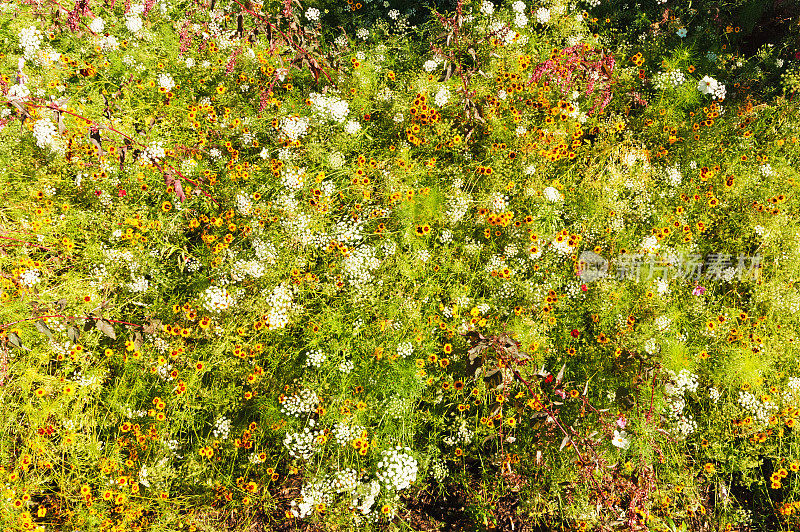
pixel 272 265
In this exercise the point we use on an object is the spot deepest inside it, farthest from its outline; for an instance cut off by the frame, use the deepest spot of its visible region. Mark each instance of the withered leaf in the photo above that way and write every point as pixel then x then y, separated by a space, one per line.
pixel 73 333
pixel 16 341
pixel 106 328
pixel 44 329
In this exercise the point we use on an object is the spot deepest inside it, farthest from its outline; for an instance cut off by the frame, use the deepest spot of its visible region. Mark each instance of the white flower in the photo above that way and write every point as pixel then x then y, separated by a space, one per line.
pixel 352 127
pixel 312 13
pixel 166 81
pixel 552 194
pixel 487 8
pixel 442 97
pixel 393 14
pixel 543 15
pixel 681 33
pixel 133 23
pixel 429 66
pixel 97 25
pixel 518 6
pixel 362 34
pixel 707 85
pixel 621 439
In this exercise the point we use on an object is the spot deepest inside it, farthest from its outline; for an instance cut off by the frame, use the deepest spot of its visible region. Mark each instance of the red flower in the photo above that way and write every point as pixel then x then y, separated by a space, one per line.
pixel 122 193
pixel 98 193
pixel 548 379
pixel 584 288
pixel 575 333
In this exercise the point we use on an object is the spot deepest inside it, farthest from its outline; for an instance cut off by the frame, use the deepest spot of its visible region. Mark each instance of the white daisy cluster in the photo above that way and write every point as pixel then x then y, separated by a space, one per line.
pixel 293 177
pixel 429 66
pixel 28 278
pixel 352 127
pixel 364 496
pixel 97 25
pixel 133 21
pixel 760 410
pixel 439 469
pixel 166 82
pixel 222 428
pixel 44 130
pixel 311 495
pixel 552 194
pixel 244 268
pixel 216 299
pixel 312 14
pixel 192 264
pixel 651 346
pixel 329 107
pixel 397 469
pixel 662 323
pixel 404 349
pixel 280 303
pixel 362 33
pixel 359 265
pixel 243 204
pixel 714 394
pixel 542 15
pixel 344 433
pixel 673 78
pixel 346 366
pixel 303 444
pixel 336 159
pixel 294 127
pixel 30 40
pixel 303 402
pixel 315 358
pixel 457 206
pixel 498 202
pixel 345 481
pixel 487 7
pixel 461 434
pixel 684 381
pixel 794 384
pixel 265 251
pixel 153 153
pixel 673 176
pixel 163 371
pixel 442 97
pixel 766 170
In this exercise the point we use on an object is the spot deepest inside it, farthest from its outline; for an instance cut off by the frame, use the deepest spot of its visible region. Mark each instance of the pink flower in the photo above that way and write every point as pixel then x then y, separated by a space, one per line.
pixel 622 422
pixel 698 290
